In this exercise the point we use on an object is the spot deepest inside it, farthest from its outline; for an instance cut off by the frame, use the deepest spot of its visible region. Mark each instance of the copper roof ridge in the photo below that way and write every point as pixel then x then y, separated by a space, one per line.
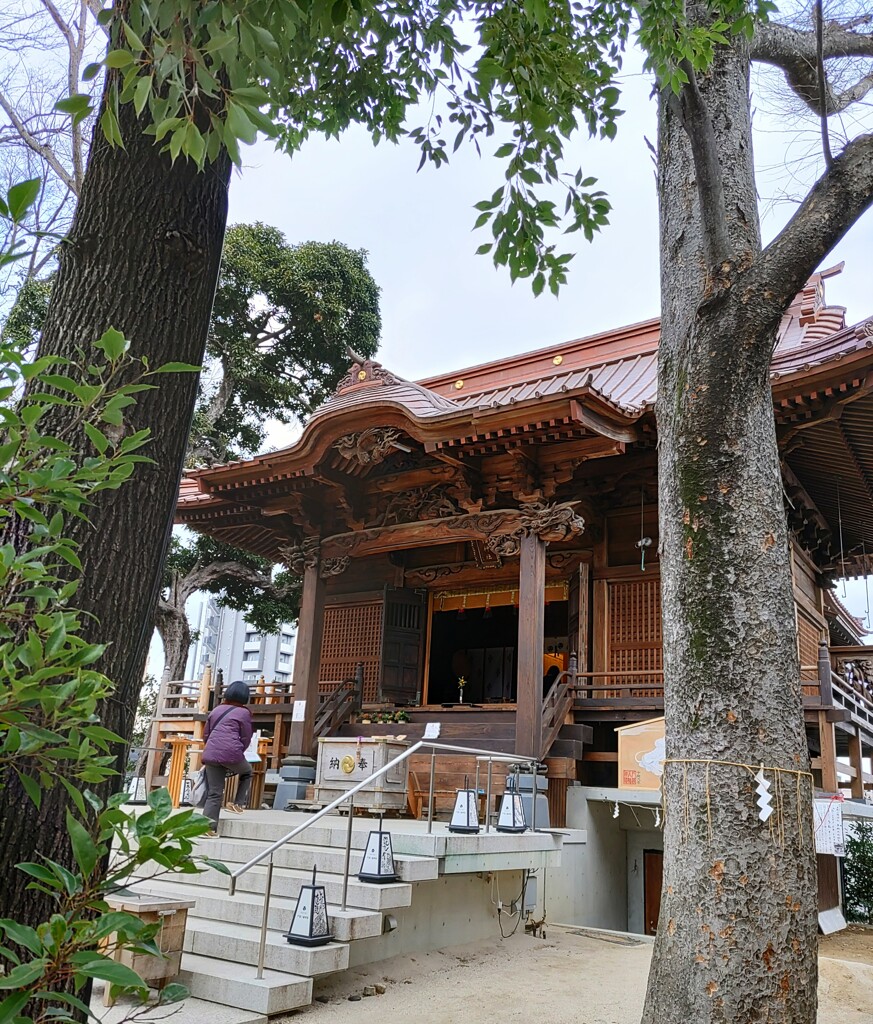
pixel 562 371
pixel 521 357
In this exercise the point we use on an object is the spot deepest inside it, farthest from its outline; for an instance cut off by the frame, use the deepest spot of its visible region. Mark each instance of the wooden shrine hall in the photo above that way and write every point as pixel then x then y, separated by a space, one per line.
pixel 485 543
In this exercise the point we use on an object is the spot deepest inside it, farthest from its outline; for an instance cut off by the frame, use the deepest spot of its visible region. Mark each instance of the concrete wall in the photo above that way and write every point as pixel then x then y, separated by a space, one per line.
pixel 638 840
pixel 600 899
pixel 448 911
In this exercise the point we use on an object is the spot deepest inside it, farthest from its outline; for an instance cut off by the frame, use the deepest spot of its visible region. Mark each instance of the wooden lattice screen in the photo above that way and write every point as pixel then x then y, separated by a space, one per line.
pixel 352 633
pixel 808 635
pixel 634 637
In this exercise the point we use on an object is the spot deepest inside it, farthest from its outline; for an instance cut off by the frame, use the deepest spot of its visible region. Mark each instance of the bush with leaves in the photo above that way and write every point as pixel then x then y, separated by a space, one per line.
pixel 858 893
pixel 50 684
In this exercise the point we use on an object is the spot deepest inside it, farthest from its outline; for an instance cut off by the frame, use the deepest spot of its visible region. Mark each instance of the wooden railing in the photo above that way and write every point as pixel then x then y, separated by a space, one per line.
pixel 632 688
pixel 337 707
pixel 557 704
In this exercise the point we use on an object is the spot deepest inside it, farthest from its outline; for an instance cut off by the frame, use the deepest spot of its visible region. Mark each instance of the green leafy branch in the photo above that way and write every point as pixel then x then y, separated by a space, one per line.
pixel 48 967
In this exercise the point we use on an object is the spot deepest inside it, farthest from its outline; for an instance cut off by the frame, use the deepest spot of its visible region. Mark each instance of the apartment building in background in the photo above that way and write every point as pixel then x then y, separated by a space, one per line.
pixel 227 642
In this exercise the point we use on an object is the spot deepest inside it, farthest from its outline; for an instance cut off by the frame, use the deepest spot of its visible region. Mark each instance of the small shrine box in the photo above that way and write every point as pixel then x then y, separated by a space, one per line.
pixel 172 915
pixel 343 762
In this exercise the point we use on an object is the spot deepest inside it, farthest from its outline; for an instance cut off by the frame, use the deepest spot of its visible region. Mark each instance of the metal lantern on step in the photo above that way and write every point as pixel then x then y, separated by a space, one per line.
pixel 465 816
pixel 511 816
pixel 310 925
pixel 378 862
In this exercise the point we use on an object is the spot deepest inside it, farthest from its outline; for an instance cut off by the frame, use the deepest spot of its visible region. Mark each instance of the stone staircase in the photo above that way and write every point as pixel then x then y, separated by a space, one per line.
pixel 444 897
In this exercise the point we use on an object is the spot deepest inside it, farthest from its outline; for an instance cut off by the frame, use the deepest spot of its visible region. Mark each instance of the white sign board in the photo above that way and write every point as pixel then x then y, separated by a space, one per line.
pixel 298 711
pixel 432 731
pixel 349 762
pixel 828 818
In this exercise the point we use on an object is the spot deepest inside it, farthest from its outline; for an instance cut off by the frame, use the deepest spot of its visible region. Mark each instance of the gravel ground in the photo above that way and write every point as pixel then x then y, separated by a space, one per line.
pixel 567 978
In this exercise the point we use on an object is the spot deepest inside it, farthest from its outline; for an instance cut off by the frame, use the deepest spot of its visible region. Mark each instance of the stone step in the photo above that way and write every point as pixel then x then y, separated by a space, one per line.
pixel 229 984
pixel 239 944
pixel 287 883
pixel 262 827
pixel 330 860
pixel 246 908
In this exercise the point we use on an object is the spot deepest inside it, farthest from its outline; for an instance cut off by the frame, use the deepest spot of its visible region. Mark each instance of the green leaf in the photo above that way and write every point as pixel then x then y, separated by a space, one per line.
pixel 113 344
pixel 118 59
pixel 32 788
pixel 133 39
pixel 98 439
pixel 160 803
pixel 84 849
pixel 91 72
pixel 217 865
pixel 176 368
pixel 24 974
pixel 22 196
pixel 112 971
pixel 141 93
pixel 21 935
pixel 12 1006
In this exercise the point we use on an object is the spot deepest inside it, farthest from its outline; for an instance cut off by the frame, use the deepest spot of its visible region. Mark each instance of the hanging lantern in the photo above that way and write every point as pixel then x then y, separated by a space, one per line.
pixel 511 816
pixel 310 925
pixel 465 816
pixel 378 863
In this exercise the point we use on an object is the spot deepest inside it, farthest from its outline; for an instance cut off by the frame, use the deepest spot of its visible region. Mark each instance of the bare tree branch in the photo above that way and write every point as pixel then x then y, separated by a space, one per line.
pixel 796 53
pixel 822 84
pixel 46 152
pixel 836 201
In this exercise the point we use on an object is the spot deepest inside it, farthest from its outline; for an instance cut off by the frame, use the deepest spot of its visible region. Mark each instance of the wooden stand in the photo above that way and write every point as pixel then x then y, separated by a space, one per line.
pixel 172 915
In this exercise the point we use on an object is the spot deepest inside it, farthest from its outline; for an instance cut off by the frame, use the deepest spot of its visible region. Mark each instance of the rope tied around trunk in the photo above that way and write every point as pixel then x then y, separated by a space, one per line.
pixel 776 827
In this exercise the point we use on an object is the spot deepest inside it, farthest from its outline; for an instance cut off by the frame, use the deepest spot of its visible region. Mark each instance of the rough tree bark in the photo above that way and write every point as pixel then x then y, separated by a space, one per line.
pixel 737 933
pixel 143 257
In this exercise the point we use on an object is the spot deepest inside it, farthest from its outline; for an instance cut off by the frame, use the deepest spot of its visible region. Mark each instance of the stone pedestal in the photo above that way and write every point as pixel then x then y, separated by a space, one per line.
pixel 296 775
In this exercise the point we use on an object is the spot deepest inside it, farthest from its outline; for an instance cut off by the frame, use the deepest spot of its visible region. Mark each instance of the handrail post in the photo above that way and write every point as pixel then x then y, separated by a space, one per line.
pixel 534 794
pixel 262 946
pixel 348 850
pixel 825 688
pixel 430 791
pixel 488 797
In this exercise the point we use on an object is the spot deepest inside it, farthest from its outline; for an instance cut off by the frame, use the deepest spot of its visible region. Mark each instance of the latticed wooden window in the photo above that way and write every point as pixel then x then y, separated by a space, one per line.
pixel 352 633
pixel 808 636
pixel 634 638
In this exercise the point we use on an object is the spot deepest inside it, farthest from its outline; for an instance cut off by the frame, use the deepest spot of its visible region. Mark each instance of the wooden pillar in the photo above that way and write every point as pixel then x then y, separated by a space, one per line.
pixel 856 760
pixel 307 660
pixel 531 625
pixel 828 744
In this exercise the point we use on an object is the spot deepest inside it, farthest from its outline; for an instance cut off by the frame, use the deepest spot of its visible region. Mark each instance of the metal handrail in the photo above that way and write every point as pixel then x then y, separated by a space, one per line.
pixel 488 755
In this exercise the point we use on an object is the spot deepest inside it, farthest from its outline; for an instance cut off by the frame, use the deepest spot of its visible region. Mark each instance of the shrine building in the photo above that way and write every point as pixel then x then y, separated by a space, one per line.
pixel 480 548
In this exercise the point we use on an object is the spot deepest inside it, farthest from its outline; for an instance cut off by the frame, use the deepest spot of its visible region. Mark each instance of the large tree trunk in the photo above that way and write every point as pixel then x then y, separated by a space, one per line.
pixel 737 933
pixel 143 257
pixel 172 625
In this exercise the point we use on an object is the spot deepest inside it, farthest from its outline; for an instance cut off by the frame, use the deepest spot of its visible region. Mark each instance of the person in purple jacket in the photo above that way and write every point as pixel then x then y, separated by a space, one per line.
pixel 228 733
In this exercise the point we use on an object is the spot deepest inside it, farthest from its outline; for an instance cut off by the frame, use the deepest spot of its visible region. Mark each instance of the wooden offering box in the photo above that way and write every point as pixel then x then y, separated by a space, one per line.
pixel 343 762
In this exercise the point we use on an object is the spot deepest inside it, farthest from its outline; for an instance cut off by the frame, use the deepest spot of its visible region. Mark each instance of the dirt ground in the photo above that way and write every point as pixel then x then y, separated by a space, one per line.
pixel 568 978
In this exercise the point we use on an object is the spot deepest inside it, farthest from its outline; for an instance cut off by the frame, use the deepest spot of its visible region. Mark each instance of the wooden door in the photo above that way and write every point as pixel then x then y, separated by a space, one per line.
pixel 403 625
pixel 653 878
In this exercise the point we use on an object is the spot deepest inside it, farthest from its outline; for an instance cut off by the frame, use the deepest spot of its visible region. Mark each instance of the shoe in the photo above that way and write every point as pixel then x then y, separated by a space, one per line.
pixel 211 834
pixel 235 808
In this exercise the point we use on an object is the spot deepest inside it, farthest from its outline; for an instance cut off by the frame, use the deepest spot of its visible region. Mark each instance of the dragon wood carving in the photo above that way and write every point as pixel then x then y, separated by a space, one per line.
pixel 307 555
pixel 370 446
pixel 555 522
